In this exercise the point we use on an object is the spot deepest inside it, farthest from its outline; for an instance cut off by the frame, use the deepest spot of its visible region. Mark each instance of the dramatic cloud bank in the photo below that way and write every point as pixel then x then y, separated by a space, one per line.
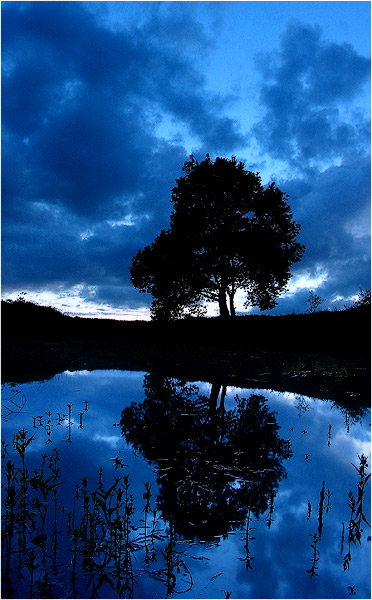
pixel 308 90
pixel 103 102
pixel 313 124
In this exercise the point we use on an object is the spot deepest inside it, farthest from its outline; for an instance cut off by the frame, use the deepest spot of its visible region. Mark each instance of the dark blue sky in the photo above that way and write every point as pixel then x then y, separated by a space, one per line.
pixel 103 102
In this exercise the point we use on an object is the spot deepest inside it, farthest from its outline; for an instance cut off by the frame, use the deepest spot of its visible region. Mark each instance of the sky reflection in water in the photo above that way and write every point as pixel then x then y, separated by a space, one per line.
pixel 324 442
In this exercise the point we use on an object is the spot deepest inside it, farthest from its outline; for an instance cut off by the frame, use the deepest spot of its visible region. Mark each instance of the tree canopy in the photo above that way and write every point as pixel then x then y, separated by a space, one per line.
pixel 227 232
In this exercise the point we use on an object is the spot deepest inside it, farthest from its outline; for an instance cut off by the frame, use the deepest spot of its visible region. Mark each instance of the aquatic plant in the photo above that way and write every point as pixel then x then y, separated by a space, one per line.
pixel 317 536
pixel 247 538
pixel 49 551
pixel 315 558
pixel 357 516
pixel 13 408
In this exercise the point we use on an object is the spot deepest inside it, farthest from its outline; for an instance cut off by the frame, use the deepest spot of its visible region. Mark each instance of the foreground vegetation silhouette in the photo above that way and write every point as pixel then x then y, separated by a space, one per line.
pixel 227 233
pixel 94 545
pixel 214 465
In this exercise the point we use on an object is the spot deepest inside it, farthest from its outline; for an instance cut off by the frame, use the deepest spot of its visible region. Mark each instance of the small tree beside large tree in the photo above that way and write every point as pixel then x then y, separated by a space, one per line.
pixel 226 233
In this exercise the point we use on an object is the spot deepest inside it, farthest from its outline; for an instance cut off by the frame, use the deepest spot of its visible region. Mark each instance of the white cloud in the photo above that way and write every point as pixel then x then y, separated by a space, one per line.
pixel 85 235
pixel 110 440
pixel 305 281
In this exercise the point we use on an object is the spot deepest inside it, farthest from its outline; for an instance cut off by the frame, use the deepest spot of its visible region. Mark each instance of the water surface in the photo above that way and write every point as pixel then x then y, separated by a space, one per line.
pixel 256 493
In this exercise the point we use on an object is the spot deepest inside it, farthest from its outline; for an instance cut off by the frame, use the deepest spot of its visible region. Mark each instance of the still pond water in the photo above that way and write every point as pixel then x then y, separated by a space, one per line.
pixel 137 485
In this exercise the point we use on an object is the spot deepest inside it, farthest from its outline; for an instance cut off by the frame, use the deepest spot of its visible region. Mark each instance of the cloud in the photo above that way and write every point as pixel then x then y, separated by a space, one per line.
pixel 334 211
pixel 307 96
pixel 87 101
pixel 314 124
pixel 326 202
pixel 86 177
pixel 333 208
pixel 99 113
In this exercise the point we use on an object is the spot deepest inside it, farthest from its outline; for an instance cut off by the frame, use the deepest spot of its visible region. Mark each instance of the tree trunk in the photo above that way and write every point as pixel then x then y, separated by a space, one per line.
pixel 223 394
pixel 213 399
pixel 232 307
pixel 217 387
pixel 224 311
pixel 231 296
pixel 212 428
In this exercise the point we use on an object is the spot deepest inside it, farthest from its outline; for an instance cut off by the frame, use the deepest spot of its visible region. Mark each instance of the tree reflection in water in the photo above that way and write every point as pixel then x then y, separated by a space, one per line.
pixel 213 465
pixel 218 471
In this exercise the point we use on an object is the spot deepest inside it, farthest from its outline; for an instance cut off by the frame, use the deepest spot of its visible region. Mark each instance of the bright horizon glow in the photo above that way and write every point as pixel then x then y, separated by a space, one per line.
pixel 72 302
pixel 75 305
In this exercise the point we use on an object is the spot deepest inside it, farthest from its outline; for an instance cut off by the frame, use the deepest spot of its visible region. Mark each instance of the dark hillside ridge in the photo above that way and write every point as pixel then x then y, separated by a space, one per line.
pixel 345 332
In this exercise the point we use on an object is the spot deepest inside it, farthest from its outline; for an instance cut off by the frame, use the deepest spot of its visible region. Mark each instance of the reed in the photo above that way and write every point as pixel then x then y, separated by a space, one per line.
pixel 49 551
pixel 356 505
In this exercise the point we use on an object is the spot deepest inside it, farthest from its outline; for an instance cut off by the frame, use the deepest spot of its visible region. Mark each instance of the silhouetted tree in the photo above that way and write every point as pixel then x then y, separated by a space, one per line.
pixel 163 269
pixel 314 301
pixel 364 298
pixel 213 465
pixel 227 233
